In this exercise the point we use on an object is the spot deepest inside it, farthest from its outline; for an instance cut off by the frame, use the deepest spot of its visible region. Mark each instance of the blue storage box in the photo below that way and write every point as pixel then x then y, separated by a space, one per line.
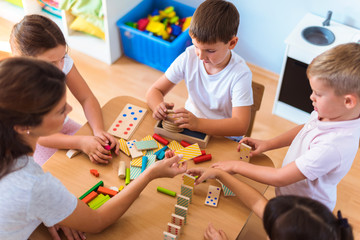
pixel 147 49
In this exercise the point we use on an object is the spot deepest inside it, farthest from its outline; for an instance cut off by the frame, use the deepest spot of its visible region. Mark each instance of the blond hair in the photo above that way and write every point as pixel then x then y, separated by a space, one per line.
pixel 339 68
pixel 213 21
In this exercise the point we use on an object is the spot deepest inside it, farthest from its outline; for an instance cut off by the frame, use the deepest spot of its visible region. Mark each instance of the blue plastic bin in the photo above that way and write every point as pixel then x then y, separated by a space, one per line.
pixel 147 49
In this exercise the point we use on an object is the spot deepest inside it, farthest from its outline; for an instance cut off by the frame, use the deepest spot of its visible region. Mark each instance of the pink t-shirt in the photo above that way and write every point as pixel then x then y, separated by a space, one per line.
pixel 324 153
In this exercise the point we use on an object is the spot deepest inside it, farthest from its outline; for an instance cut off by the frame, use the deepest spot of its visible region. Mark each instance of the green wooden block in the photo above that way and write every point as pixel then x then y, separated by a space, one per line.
pixel 94 188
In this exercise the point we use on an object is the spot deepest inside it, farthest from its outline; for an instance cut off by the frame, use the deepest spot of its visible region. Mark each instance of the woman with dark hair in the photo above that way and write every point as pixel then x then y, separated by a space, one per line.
pixel 33 105
pixel 284 217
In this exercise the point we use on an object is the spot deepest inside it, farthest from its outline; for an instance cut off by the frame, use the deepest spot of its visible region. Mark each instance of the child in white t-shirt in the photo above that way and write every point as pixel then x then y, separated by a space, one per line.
pixel 321 151
pixel 217 79
pixel 39 37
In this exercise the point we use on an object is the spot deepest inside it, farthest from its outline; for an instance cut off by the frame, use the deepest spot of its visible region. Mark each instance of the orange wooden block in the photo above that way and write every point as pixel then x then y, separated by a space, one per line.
pixel 106 191
pixel 89 197
pixel 94 172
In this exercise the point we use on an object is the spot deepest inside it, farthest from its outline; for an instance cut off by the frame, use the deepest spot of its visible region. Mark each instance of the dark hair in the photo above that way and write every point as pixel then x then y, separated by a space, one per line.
pixel 299 218
pixel 34 35
pixel 214 20
pixel 29 89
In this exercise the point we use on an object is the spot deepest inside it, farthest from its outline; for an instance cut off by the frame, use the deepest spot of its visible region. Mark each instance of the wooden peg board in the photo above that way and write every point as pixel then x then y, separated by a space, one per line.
pixel 128 120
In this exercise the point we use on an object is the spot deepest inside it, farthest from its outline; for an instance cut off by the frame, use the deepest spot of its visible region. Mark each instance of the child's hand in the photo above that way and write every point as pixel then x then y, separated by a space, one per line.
pixel 204 174
pixel 168 167
pixel 212 234
pixel 69 233
pixel 109 140
pixel 227 166
pixel 94 147
pixel 258 146
pixel 185 119
pixel 160 110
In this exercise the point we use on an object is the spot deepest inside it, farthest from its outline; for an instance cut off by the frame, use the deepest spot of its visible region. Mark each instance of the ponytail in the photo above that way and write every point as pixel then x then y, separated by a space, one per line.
pixel 344 227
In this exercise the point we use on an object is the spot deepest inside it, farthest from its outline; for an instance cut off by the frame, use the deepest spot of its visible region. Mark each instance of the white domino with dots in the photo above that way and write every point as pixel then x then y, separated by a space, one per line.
pixel 213 195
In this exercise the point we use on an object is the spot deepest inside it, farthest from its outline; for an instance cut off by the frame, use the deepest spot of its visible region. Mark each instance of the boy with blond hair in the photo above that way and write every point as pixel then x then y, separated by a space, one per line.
pixel 217 79
pixel 321 151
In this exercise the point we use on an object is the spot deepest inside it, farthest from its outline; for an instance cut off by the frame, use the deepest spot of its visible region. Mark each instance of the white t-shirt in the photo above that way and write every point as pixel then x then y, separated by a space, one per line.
pixel 212 96
pixel 324 153
pixel 28 197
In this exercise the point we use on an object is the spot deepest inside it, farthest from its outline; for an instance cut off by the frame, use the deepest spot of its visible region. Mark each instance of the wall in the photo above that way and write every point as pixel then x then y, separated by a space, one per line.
pixel 264 25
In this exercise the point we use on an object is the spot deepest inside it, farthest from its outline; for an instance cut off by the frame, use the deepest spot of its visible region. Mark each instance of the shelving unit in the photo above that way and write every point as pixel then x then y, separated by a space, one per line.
pixel 108 50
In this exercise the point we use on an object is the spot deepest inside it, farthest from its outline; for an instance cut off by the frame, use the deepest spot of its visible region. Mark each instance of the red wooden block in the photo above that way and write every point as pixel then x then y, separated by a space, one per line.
pixel 160 139
pixel 203 152
pixel 184 143
pixel 89 197
pixel 94 172
pixel 106 191
pixel 202 158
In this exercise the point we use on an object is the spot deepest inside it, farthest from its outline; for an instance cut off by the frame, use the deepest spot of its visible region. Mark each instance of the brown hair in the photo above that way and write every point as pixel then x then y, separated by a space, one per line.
pixel 29 89
pixel 34 35
pixel 213 21
pixel 339 68
pixel 298 218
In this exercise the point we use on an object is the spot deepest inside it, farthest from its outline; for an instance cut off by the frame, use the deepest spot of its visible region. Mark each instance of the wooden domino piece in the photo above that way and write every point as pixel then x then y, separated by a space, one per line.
pixel 245 152
pixel 181 211
pixel 175 145
pixel 187 191
pixel 169 236
pixel 213 195
pixel 127 121
pixel 123 147
pixel 189 152
pixel 183 201
pixel 189 180
pixel 173 229
pixel 132 149
pixel 146 145
pixel 177 220
pixel 121 171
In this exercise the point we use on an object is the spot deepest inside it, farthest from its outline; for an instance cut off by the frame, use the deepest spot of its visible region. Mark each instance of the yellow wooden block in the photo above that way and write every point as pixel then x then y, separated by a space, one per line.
pixel 123 147
pixel 136 162
pixel 189 152
pixel 174 145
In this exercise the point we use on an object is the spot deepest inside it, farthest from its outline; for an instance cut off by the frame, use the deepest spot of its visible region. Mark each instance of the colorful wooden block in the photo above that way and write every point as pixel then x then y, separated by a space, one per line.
pixel 128 120
pixel 166 191
pixel 145 145
pixel 183 201
pixel 123 146
pixel 181 211
pixel 189 152
pixel 213 195
pixel 137 162
pixel 89 197
pixel 245 152
pixel 132 149
pixel 149 137
pixel 187 191
pixel 202 158
pixel 98 201
pixel 174 145
pixel 144 162
pixel 188 180
pixel 170 236
pixel 177 220
pixel 127 176
pixel 160 139
pixel 106 191
pixel 173 229
pixel 94 172
pixel 226 190
pixel 94 188
pixel 136 171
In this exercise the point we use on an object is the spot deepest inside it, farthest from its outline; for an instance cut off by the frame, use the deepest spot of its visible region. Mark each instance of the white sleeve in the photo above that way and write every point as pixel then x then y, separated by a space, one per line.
pixel 176 72
pixel 51 202
pixel 68 64
pixel 241 91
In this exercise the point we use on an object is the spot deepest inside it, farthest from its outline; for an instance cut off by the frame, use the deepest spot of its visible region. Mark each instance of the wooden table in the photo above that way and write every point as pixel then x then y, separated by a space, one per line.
pixel 147 218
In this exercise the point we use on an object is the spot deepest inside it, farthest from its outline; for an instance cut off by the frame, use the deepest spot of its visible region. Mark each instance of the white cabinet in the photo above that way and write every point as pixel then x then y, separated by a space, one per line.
pixel 108 50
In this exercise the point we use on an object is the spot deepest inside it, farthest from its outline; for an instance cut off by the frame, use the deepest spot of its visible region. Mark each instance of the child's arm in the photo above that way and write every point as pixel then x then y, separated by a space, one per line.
pixel 237 125
pixel 91 106
pixel 91 145
pixel 248 195
pixel 87 220
pixel 155 97
pixel 260 146
pixel 277 177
